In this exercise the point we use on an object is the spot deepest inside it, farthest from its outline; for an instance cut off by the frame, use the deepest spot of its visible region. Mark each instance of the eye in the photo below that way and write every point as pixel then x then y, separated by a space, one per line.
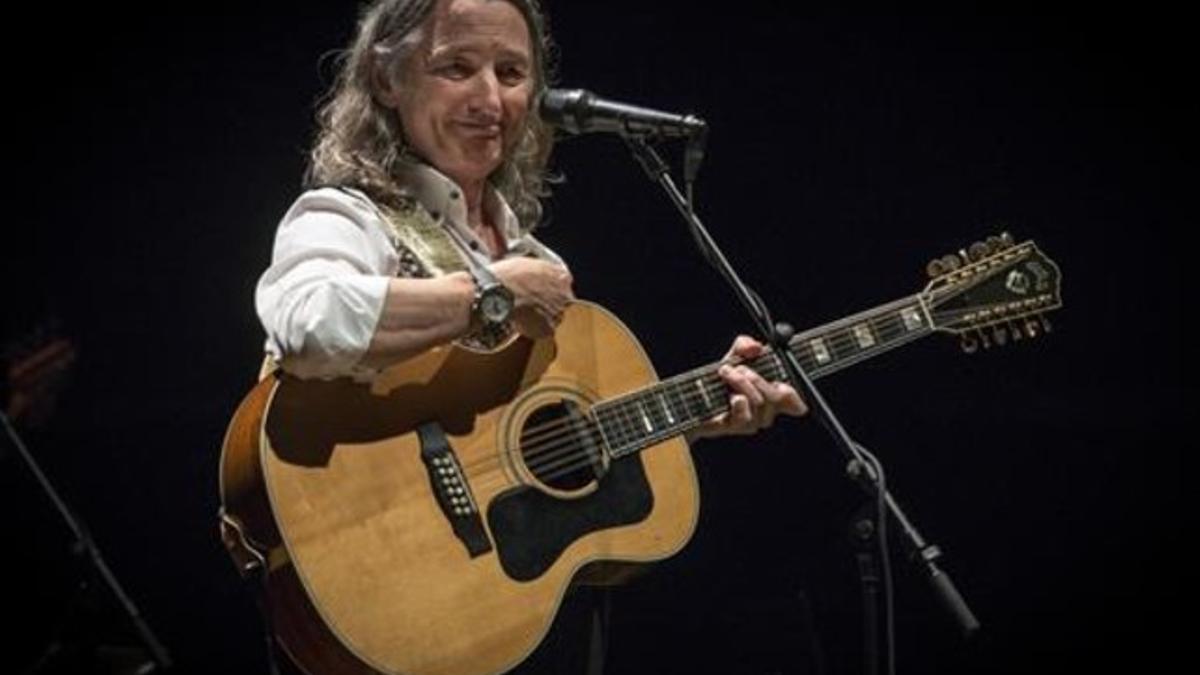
pixel 512 74
pixel 457 69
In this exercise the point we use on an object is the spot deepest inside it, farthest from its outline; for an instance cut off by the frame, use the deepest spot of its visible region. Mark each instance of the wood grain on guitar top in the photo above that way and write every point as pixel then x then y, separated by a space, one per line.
pixel 372 557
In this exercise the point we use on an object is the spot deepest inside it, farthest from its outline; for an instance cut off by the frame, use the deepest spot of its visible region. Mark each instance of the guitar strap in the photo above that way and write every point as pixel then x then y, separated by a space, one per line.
pixel 427 249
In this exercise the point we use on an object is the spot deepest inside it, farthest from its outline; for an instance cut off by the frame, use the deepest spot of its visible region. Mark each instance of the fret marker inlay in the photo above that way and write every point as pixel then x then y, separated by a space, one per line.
pixel 645 418
pixel 820 351
pixel 912 318
pixel 864 336
pixel 666 409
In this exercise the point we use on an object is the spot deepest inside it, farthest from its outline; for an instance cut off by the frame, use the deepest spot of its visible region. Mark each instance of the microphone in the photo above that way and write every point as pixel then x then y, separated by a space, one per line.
pixel 579 111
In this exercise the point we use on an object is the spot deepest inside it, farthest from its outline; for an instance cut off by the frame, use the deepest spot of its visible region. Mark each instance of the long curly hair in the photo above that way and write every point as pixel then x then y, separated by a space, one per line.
pixel 360 141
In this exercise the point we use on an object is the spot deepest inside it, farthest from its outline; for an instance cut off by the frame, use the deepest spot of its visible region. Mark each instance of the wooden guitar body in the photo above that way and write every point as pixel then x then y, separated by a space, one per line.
pixel 373 566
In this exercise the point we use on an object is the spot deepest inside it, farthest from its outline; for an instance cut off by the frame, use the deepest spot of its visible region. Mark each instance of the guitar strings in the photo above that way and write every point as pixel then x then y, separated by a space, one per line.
pixel 553 449
pixel 549 465
pixel 552 459
pixel 576 456
pixel 544 458
pixel 671 388
pixel 566 461
pixel 544 443
pixel 835 343
pixel 548 456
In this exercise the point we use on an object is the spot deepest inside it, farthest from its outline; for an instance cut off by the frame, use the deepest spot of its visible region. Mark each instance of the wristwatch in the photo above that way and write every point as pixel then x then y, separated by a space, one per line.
pixel 493 301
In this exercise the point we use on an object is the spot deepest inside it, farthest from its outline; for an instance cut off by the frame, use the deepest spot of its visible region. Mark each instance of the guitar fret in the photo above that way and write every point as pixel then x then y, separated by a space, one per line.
pixel 602 428
pixel 662 417
pixel 626 430
pixel 676 406
pixel 679 407
pixel 634 420
pixel 843 345
pixel 628 427
pixel 717 399
pixel 608 426
pixel 683 394
pixel 662 406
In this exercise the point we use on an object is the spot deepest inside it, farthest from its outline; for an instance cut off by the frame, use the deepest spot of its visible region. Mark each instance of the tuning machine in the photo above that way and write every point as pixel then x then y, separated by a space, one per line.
pixel 977 251
pixel 943 265
pixel 971 342
pixel 1000 242
pixel 997 334
pixel 1014 331
pixel 1037 324
pixel 988 247
pixel 1000 335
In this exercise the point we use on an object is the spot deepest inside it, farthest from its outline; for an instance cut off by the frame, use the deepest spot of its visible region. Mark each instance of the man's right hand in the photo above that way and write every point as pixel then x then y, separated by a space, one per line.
pixel 542 291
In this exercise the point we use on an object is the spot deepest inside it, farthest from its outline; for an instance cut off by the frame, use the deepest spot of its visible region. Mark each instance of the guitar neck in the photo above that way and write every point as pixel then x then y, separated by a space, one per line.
pixel 651 415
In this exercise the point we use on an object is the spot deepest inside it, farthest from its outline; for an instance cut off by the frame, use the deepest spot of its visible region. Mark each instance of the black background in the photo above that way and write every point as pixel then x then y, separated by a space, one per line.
pixel 154 153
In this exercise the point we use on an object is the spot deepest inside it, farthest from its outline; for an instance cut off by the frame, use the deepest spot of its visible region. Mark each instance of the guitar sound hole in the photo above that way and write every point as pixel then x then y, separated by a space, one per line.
pixel 560 447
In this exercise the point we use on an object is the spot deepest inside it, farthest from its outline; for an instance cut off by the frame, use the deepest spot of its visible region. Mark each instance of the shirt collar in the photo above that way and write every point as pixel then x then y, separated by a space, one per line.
pixel 443 199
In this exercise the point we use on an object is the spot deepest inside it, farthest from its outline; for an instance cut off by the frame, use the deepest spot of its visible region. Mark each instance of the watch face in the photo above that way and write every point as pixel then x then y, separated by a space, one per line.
pixel 495 307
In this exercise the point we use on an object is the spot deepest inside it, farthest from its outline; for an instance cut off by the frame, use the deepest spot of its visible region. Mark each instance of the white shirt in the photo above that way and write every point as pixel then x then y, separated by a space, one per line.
pixel 322 296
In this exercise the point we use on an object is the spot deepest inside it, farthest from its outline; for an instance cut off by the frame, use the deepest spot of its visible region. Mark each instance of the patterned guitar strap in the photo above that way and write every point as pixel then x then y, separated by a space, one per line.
pixel 427 249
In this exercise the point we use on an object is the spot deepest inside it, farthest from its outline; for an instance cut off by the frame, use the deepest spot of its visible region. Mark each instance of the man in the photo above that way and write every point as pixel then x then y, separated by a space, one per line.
pixel 425 182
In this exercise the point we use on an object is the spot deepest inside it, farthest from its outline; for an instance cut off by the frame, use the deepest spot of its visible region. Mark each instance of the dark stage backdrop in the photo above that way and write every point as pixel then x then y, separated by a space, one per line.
pixel 154 153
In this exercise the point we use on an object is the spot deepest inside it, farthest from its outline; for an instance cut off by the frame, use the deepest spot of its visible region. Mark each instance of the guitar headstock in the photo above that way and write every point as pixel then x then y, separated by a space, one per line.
pixel 994 292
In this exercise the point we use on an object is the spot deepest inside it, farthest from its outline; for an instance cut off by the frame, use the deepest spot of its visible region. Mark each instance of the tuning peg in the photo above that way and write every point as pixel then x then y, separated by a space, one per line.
pixel 998 243
pixel 1007 240
pixel 1046 327
pixel 1015 331
pixel 935 268
pixel 983 338
pixel 1000 335
pixel 1031 328
pixel 969 344
pixel 978 251
pixel 952 262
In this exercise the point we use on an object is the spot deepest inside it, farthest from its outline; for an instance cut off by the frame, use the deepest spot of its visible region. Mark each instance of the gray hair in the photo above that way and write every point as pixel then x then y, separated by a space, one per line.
pixel 360 141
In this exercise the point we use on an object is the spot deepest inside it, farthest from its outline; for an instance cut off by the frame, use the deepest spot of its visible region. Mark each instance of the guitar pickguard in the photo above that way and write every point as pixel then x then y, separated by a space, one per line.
pixel 531 529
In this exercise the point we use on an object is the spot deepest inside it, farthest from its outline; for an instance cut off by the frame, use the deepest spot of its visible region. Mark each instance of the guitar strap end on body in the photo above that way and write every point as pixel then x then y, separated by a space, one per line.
pixel 249 560
pixel 255 567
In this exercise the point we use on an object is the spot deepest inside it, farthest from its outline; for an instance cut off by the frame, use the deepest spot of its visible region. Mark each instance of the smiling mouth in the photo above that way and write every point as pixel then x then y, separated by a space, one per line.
pixel 480 130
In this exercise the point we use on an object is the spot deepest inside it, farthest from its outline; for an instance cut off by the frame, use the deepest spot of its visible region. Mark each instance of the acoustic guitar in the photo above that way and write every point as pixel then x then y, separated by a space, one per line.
pixel 429 522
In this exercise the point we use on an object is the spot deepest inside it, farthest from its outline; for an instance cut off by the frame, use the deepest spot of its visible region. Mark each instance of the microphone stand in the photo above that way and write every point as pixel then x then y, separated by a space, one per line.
pixel 867 472
pixel 85 546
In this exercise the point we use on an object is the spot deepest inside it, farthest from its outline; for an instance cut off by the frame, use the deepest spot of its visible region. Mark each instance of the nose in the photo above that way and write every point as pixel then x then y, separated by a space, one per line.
pixel 485 95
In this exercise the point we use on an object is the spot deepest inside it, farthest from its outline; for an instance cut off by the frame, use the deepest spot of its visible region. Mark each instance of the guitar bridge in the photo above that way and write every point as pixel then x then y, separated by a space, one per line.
pixel 451 490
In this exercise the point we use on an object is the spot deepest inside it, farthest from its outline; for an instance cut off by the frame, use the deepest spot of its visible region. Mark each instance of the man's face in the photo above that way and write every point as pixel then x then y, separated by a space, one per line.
pixel 467 87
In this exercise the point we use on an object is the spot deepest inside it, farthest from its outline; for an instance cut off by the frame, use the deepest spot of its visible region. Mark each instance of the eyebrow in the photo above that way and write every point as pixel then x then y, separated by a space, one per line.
pixel 504 52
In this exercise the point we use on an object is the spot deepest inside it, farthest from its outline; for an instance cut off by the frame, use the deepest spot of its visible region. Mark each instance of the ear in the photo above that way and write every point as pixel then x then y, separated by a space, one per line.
pixel 383 86
pixel 385 92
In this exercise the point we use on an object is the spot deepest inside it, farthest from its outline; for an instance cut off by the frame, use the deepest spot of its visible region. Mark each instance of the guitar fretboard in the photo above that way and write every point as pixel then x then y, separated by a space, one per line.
pixel 651 415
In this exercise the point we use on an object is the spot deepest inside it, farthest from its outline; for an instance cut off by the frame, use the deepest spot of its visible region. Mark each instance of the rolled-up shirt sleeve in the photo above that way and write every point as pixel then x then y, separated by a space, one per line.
pixel 321 298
